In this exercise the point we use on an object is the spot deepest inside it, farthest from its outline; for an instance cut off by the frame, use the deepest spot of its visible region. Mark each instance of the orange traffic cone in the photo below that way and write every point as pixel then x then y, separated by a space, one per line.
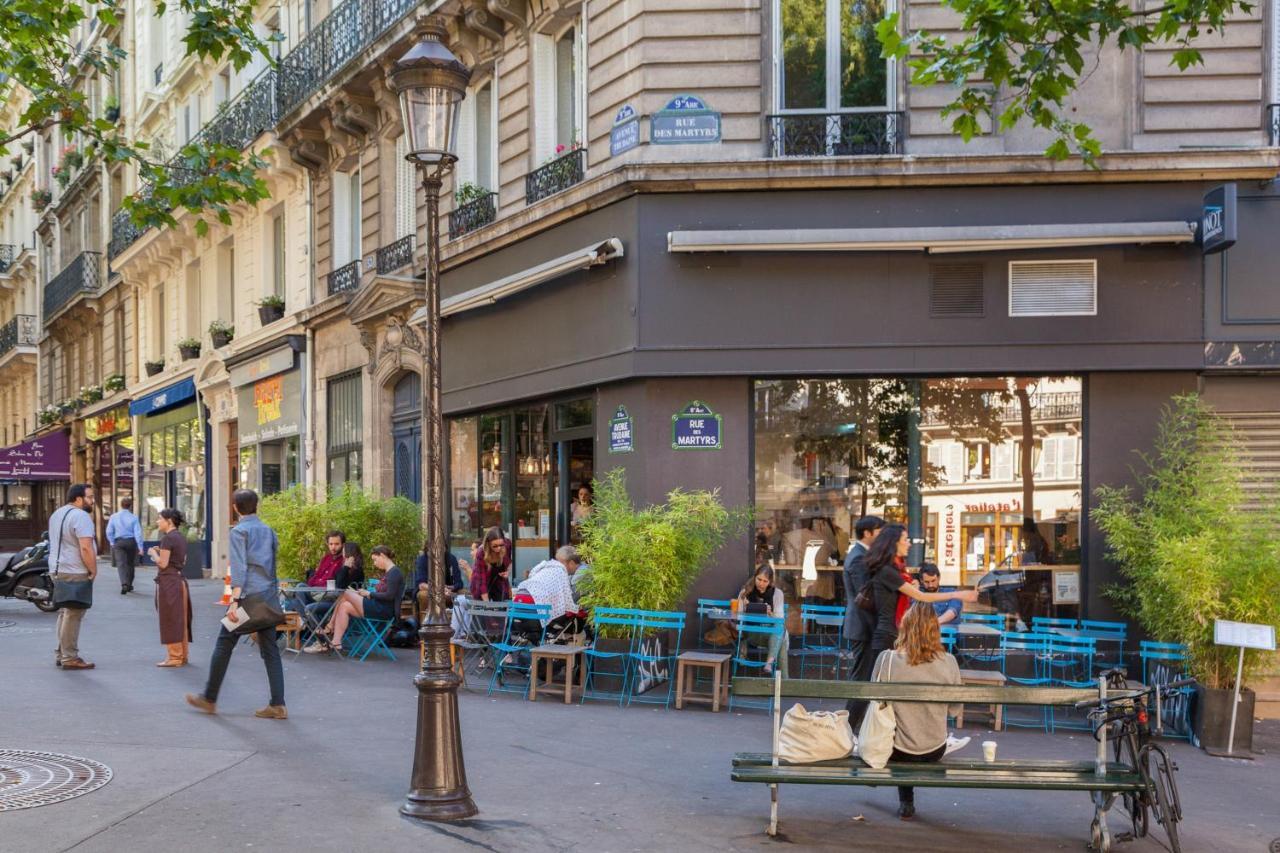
pixel 226 590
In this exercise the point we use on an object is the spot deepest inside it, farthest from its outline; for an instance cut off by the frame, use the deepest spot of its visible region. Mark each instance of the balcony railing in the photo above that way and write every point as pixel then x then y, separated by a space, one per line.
pixel 473 215
pixel 1056 406
pixel 123 233
pixel 83 275
pixel 1273 125
pixel 18 332
pixel 560 174
pixel 835 134
pixel 7 254
pixel 345 279
pixel 396 256
pixel 348 30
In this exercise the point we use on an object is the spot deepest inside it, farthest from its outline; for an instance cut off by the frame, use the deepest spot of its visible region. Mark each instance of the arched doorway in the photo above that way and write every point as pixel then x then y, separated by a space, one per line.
pixel 406 437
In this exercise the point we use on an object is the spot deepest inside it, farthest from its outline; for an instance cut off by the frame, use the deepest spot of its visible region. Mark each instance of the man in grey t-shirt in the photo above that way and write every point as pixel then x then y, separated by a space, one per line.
pixel 72 557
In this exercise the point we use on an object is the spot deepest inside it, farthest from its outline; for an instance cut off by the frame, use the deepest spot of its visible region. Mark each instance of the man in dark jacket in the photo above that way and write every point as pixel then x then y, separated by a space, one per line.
pixel 858 623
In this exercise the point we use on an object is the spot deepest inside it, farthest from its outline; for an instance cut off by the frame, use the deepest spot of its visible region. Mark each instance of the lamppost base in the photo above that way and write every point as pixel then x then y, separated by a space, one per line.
pixel 423 806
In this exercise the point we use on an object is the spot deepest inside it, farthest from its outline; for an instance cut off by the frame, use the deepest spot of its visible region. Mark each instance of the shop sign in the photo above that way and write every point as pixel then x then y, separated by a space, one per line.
pixel 1014 506
pixel 1218 219
pixel 625 133
pixel 277 361
pixel 270 408
pixel 685 119
pixel 620 432
pixel 47 458
pixel 695 428
pixel 107 424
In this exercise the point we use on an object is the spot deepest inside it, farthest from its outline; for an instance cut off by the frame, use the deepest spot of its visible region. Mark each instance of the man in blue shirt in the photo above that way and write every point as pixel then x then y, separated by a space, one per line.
pixel 253 548
pixel 931 581
pixel 124 536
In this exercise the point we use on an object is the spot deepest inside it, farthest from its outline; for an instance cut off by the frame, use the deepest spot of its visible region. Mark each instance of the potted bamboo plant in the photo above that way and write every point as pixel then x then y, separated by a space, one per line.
pixel 1191 552
pixel 270 309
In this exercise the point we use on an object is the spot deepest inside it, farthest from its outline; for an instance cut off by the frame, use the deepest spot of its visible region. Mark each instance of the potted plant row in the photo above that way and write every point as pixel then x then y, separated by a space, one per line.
pixel 270 309
pixel 113 383
pixel 189 348
pixel 221 333
pixel 1191 553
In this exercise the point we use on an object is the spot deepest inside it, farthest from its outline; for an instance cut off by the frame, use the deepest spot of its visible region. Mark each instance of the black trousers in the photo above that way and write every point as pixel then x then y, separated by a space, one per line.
pixel 226 644
pixel 907 794
pixel 125 556
pixel 865 655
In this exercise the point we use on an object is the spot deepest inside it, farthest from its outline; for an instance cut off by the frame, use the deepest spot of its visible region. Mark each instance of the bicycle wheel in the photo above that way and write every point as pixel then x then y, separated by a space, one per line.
pixel 1166 804
pixel 1134 803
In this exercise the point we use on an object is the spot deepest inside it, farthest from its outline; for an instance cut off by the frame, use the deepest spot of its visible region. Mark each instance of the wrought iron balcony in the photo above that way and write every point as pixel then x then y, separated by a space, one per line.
pixel 7 254
pixel 560 174
pixel 245 117
pixel 396 256
pixel 473 215
pixel 345 279
pixel 348 30
pixel 1273 125
pixel 835 134
pixel 18 332
pixel 82 275
pixel 123 233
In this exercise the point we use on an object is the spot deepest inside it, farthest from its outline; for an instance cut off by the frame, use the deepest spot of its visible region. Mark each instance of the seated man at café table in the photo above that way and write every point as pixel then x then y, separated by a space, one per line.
pixel 326 570
pixel 549 583
pixel 931 581
pixel 454 586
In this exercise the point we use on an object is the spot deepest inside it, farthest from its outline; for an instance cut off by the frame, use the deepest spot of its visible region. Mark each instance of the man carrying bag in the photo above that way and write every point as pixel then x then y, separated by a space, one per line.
pixel 255 591
pixel 73 563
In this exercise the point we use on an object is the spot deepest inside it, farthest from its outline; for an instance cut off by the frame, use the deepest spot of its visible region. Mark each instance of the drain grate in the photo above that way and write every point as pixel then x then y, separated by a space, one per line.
pixel 31 779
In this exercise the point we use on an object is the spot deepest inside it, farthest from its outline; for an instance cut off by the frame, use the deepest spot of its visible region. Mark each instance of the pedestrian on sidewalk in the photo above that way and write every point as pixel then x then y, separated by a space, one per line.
pixel 858 623
pixel 124 537
pixel 253 547
pixel 173 598
pixel 72 557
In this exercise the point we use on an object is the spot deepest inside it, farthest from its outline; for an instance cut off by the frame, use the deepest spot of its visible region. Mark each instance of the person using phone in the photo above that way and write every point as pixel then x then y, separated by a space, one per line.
pixel 760 597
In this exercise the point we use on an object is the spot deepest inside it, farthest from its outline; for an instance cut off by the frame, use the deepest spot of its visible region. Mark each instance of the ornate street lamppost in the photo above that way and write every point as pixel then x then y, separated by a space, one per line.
pixel 431 83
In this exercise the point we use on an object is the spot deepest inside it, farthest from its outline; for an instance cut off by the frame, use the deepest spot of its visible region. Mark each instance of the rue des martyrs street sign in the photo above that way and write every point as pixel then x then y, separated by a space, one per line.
pixel 685 119
pixel 620 432
pixel 695 427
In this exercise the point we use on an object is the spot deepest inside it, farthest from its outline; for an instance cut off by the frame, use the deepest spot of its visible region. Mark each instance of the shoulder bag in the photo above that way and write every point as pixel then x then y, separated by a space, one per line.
pixel 263 612
pixel 808 736
pixel 875 738
pixel 866 597
pixel 76 595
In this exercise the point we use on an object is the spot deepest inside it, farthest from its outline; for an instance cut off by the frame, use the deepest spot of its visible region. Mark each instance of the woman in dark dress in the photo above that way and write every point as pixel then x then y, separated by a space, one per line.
pixel 381 604
pixel 173 599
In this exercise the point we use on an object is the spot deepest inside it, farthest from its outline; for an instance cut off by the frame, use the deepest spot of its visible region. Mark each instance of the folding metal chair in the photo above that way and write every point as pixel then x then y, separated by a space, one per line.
pixel 711 610
pixel 819 640
pixel 949 635
pixel 1031 649
pixel 1046 624
pixel 484 625
pixel 763 628
pixel 1107 632
pixel 370 636
pixel 620 622
pixel 654 622
pixel 1162 663
pixel 512 656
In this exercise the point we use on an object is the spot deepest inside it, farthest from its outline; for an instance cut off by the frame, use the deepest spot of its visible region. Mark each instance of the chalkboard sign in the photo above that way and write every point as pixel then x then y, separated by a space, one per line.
pixel 695 427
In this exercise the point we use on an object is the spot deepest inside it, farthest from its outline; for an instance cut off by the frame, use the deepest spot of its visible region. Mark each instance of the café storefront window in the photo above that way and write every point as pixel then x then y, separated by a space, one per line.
pixel 111 448
pixel 985 472
pixel 269 420
pixel 173 471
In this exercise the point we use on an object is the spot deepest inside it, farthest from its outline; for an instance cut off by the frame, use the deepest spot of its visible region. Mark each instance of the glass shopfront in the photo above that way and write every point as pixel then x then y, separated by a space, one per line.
pixel 985 472
pixel 173 470
pixel 269 421
pixel 111 448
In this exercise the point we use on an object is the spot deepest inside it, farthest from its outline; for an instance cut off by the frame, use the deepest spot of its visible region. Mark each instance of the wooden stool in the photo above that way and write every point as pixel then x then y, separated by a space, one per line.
pixel 552 653
pixel 987 678
pixel 719 666
pixel 292 630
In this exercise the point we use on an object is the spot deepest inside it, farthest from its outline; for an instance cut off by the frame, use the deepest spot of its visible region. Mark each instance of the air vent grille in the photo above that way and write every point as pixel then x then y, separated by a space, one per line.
pixel 955 290
pixel 1053 288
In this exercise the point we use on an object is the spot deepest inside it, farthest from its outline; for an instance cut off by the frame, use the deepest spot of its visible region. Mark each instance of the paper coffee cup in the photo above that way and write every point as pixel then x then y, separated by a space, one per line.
pixel 330 584
pixel 989 750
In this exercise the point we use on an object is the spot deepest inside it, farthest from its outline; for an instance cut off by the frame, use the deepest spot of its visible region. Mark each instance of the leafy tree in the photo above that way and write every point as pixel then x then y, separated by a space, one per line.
pixel 1021 59
pixel 39 52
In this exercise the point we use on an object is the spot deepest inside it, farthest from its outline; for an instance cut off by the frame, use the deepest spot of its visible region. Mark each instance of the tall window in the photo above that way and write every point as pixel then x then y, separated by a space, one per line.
pixel 192 324
pixel 227 281
pixel 345 429
pixel 407 188
pixel 345 217
pixel 161 321
pixel 560 90
pixel 277 255
pixel 477 137
pixel 119 336
pixel 829 59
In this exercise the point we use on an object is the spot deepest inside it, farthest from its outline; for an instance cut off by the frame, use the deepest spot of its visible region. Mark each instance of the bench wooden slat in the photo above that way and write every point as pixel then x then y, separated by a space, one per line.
pixel 940 776
pixel 763 759
pixel 977 694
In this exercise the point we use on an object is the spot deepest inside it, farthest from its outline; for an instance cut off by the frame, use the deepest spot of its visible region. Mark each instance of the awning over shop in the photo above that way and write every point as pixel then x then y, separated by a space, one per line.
pixel 165 398
pixel 935 240
pixel 44 458
pixel 588 256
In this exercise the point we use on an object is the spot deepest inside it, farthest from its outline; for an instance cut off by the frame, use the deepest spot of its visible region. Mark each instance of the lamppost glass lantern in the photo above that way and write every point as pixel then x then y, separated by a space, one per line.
pixel 431 83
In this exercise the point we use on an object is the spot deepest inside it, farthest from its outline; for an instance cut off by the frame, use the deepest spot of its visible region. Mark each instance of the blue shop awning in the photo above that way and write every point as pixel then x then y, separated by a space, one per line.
pixel 166 398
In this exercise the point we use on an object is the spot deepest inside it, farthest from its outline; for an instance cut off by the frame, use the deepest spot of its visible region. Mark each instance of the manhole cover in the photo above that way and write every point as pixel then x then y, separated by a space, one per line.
pixel 30 779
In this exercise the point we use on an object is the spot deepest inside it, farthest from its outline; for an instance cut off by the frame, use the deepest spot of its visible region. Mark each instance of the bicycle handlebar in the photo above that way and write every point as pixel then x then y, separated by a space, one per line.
pixel 1162 688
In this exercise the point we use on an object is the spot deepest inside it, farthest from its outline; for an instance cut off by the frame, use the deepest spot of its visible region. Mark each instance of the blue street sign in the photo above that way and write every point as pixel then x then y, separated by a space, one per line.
pixel 620 432
pixel 685 119
pixel 695 428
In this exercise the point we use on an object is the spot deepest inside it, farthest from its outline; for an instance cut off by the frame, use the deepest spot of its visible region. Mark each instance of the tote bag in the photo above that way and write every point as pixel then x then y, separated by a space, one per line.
pixel 875 738
pixel 808 736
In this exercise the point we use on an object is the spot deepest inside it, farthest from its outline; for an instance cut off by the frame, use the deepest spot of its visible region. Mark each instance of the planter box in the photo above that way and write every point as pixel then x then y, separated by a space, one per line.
pixel 1211 719
pixel 152 368
pixel 221 339
pixel 268 314
pixel 189 353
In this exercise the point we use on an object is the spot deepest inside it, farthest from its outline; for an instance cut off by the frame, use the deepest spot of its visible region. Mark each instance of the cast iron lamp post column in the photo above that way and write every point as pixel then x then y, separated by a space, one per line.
pixel 431 83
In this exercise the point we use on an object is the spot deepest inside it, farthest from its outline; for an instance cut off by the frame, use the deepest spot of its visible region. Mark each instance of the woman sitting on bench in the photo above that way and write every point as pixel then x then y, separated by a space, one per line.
pixel 918 658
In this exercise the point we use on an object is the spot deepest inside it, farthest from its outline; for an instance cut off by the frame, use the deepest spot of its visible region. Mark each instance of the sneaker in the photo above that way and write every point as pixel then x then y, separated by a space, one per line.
pixel 272 712
pixel 315 649
pixel 197 701
pixel 954 743
pixel 906 811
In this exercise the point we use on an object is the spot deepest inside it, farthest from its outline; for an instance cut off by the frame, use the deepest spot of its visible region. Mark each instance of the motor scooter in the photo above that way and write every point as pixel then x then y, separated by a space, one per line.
pixel 25 576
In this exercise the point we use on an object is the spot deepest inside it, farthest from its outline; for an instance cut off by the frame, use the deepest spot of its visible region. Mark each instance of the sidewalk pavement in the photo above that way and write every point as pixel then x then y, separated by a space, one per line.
pixel 546 776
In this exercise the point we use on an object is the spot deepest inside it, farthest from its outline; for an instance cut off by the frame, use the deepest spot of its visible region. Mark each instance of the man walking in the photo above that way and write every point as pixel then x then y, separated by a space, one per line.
pixel 124 536
pixel 72 557
pixel 858 624
pixel 253 548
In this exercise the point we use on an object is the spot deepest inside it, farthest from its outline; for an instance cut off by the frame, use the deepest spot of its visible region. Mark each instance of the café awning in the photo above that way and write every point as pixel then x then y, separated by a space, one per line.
pixel 933 239
pixel 165 398
pixel 594 254
pixel 45 458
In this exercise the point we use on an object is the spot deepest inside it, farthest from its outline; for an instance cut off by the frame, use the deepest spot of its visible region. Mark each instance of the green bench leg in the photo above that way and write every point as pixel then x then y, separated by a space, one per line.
pixel 773 811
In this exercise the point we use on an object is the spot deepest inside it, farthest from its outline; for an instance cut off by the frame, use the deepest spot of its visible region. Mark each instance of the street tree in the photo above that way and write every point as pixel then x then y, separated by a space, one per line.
pixel 39 52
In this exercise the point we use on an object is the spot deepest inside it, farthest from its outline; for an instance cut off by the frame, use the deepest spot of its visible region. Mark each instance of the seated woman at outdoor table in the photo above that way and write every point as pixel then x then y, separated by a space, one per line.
pixel 350 576
pixel 491 577
pixel 918 658
pixel 760 597
pixel 383 603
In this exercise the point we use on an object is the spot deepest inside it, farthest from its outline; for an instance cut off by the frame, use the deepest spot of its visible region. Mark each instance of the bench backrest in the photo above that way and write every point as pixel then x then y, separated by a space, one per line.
pixel 978 694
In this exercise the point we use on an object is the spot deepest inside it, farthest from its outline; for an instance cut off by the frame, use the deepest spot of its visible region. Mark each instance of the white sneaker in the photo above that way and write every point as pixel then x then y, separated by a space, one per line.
pixel 314 649
pixel 955 743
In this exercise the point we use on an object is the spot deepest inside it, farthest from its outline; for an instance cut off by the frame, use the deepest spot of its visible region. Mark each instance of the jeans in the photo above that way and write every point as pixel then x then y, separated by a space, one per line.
pixel 907 794
pixel 226 644
pixel 124 554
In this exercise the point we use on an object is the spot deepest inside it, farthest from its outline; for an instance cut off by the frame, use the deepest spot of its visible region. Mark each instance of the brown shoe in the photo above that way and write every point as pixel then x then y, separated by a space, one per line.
pixel 172 663
pixel 195 700
pixel 272 712
pixel 76 663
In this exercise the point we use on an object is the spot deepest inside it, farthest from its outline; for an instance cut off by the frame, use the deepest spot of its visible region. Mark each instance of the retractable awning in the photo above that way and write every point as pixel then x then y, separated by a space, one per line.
pixel 591 255
pixel 935 240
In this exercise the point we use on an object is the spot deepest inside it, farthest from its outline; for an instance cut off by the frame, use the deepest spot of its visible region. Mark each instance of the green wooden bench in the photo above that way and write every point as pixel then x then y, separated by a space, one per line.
pixel 1103 780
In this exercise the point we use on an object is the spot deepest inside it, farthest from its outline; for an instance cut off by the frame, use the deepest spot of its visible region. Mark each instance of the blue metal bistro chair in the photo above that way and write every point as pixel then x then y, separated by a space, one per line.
pixel 711 610
pixel 620 624
pixel 1162 663
pixel 823 625
pixel 511 655
pixel 649 625
pixel 1029 650
pixel 767 631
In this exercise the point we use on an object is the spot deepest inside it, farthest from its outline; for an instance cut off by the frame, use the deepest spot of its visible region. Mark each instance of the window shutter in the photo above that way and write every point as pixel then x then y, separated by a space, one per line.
pixel 406 191
pixel 466 167
pixel 544 97
pixel 1049 459
pixel 955 290
pixel 1053 288
pixel 1258 442
pixel 956 462
pixel 1002 462
pixel 339 219
pixel 356 198
pixel 487 136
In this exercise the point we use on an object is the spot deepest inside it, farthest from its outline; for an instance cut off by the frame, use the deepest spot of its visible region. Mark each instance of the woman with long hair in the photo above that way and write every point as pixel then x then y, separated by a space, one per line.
pixel 761 592
pixel 920 735
pixel 173 598
pixel 491 577
pixel 382 603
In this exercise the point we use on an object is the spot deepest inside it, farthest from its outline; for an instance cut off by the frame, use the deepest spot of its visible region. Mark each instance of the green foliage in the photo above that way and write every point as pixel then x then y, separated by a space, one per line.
pixel 221 327
pixel 1188 549
pixel 271 301
pixel 301 517
pixel 468 192
pixel 1022 59
pixel 648 558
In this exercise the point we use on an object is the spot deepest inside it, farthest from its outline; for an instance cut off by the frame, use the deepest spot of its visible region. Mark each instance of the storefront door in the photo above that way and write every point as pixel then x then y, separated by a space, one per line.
pixel 406 437
pixel 573 437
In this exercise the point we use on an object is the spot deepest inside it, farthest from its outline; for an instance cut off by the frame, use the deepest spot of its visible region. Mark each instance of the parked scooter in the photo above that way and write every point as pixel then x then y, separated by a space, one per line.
pixel 25 576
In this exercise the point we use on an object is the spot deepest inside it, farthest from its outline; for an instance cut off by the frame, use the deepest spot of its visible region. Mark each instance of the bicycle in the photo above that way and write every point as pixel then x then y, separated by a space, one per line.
pixel 1127 723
